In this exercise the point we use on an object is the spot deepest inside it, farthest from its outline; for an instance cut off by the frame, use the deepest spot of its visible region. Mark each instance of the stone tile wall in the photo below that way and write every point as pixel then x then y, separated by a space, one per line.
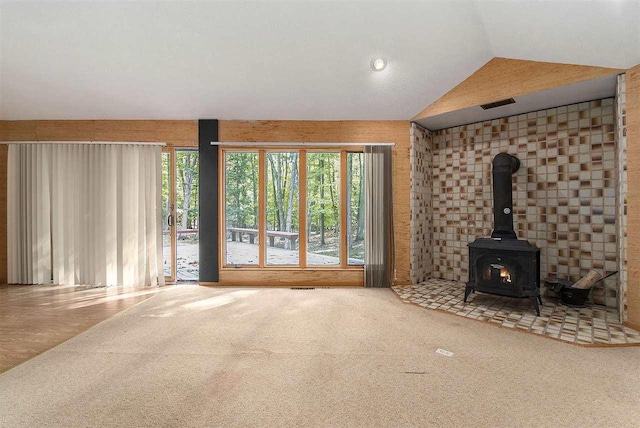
pixel 564 193
pixel 621 152
pixel 421 199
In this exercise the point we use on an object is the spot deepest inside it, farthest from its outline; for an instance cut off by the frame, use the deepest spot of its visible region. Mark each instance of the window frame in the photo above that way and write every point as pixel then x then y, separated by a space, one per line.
pixel 302 204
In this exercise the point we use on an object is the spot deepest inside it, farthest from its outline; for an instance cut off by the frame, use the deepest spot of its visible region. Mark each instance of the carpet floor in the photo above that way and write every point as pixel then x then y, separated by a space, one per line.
pixel 196 356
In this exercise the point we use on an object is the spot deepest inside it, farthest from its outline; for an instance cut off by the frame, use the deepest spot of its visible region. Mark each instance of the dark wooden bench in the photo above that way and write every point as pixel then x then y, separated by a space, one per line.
pixel 237 232
pixel 291 236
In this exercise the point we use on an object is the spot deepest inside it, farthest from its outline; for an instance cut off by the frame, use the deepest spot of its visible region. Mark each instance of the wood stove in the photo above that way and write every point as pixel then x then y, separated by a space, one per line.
pixel 504 264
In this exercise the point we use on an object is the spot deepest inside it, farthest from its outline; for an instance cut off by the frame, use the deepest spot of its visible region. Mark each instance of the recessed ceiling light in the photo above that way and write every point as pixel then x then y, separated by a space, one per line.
pixel 378 63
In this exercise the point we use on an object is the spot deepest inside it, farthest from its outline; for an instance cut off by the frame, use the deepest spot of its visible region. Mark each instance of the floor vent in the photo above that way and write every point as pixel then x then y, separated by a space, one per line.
pixel 303 288
pixel 498 104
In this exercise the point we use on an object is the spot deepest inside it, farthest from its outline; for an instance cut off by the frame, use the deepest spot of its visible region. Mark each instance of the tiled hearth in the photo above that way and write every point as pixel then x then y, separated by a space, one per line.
pixel 590 326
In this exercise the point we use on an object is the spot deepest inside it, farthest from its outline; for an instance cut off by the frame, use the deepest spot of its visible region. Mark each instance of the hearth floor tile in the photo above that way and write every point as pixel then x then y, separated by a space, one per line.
pixel 589 326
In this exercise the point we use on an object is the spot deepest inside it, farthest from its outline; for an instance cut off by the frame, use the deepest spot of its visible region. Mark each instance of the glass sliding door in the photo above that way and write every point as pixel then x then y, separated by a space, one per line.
pixel 241 177
pixel 323 209
pixel 180 188
pixel 187 213
pixel 355 208
pixel 168 237
pixel 282 204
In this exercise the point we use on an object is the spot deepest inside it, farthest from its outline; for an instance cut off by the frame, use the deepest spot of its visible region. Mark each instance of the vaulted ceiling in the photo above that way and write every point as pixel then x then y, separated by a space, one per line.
pixel 283 59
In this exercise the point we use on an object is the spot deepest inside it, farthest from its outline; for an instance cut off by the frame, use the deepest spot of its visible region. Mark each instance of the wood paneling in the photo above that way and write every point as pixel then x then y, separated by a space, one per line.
pixel 65 130
pixel 631 325
pixel 176 133
pixel 397 132
pixel 290 277
pixel 34 318
pixel 18 130
pixel 177 130
pixel 3 213
pixel 287 131
pixel 633 195
pixel 125 130
pixel 185 134
pixel 503 78
pixel 402 207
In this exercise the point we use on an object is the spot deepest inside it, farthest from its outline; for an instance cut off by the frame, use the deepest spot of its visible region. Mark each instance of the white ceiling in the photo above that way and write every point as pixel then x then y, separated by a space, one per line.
pixel 282 59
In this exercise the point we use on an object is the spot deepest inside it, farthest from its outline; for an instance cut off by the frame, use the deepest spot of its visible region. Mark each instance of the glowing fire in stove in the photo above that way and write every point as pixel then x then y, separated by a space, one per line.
pixel 505 275
pixel 498 272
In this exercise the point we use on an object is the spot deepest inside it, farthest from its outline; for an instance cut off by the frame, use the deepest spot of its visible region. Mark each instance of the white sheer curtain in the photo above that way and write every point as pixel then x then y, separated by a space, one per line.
pixel 379 252
pixel 84 214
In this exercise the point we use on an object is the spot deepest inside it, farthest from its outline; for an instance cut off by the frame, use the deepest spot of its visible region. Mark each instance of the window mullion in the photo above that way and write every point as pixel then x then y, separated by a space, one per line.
pixel 302 208
pixel 262 208
pixel 343 209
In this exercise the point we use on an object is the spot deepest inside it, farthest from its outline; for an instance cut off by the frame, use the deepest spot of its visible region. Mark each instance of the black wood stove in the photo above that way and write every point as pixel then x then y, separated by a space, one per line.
pixel 504 264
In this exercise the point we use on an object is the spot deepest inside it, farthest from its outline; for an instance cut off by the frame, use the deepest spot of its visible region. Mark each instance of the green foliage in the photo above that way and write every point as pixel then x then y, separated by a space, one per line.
pixel 241 183
pixel 282 193
pixel 323 190
pixel 355 196
pixel 187 188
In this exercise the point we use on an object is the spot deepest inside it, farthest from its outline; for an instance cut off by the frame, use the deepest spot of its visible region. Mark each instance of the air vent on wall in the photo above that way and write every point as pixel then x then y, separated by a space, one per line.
pixel 498 104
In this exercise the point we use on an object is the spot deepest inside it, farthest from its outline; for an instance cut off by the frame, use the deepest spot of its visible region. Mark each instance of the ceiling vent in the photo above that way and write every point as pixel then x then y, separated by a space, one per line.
pixel 498 104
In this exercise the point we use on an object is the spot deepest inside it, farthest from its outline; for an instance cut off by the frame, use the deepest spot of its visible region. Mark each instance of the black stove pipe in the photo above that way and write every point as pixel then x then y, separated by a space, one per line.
pixel 504 165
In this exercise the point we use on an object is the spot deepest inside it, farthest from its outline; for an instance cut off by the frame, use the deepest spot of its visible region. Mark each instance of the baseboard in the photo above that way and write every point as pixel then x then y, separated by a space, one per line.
pixel 322 277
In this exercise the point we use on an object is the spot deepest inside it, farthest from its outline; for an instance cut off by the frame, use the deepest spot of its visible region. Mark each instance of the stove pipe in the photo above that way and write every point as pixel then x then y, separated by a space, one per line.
pixel 504 165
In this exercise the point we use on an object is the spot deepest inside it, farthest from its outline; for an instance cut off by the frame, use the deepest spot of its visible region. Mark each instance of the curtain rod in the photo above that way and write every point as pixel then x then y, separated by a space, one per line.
pixel 253 144
pixel 138 143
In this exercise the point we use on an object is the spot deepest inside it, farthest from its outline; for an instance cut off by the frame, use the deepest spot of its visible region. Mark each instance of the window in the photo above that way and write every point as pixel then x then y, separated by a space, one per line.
pixel 241 208
pixel 293 208
pixel 355 207
pixel 323 209
pixel 282 208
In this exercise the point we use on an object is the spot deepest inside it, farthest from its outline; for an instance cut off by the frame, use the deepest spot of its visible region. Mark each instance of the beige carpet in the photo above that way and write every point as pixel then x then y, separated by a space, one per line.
pixel 197 356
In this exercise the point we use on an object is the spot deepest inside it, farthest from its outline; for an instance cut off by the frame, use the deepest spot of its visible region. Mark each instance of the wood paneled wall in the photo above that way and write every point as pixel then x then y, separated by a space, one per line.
pixel 176 133
pixel 3 213
pixel 633 196
pixel 185 134
pixel 344 132
pixel 503 78
pixel 290 277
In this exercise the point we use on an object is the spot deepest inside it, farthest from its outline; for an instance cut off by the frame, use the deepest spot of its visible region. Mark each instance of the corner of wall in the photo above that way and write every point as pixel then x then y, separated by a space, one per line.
pixel 421 161
pixel 632 116
pixel 3 213
pixel 621 160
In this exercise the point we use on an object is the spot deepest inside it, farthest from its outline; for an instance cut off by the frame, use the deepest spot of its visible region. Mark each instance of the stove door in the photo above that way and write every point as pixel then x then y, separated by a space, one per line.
pixel 499 274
